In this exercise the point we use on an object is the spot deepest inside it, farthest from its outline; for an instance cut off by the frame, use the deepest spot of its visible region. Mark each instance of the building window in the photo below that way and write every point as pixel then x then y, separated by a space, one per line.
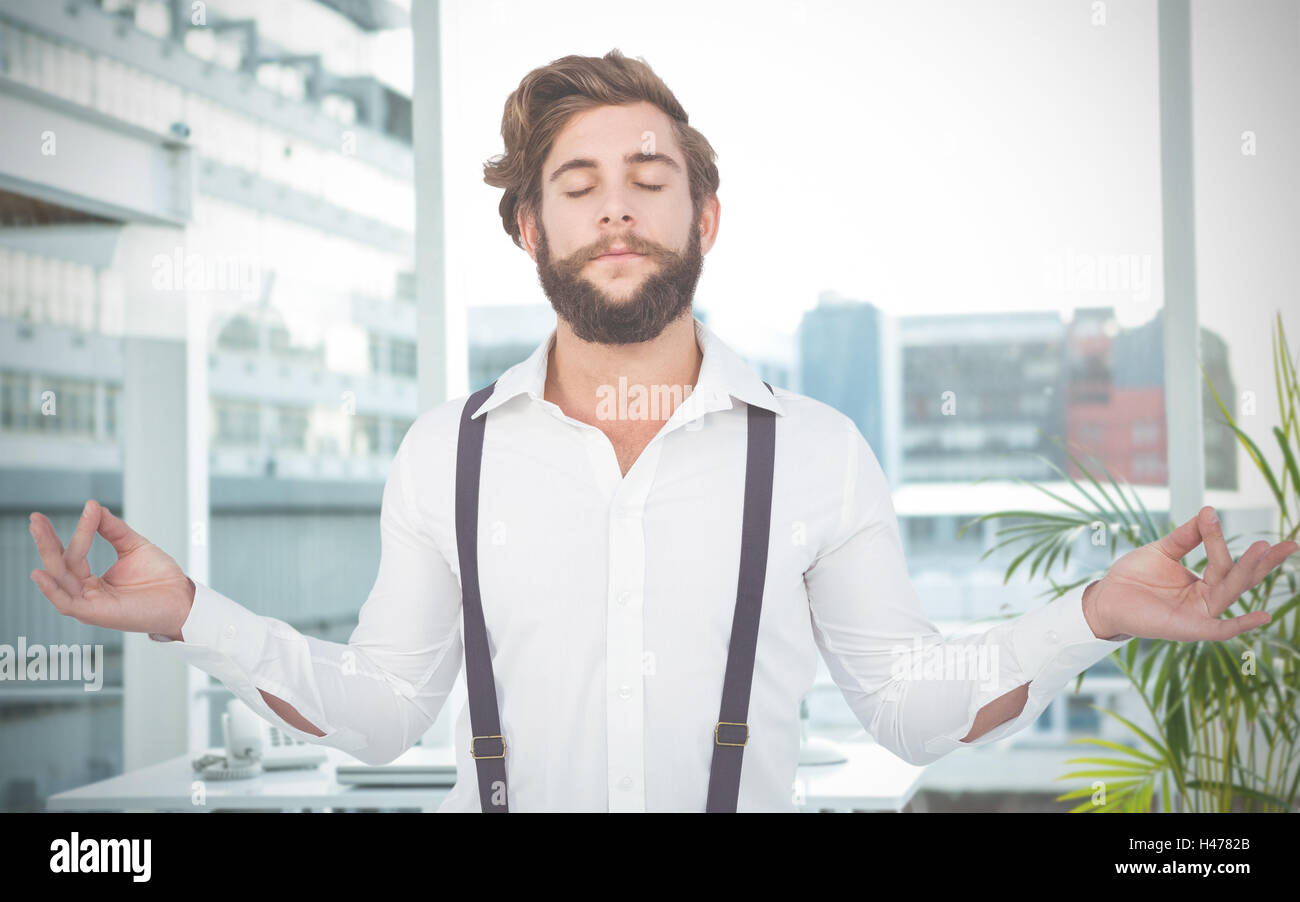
pixel 920 529
pixel 400 426
pixel 72 404
pixel 112 410
pixel 14 409
pixel 237 423
pixel 292 428
pixel 1080 716
pixel 403 358
pixel 365 436
pixel 1145 432
pixel 1091 432
pixel 1148 466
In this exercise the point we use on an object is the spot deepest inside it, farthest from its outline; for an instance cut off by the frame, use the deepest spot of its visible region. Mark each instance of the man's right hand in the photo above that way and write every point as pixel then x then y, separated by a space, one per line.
pixel 144 592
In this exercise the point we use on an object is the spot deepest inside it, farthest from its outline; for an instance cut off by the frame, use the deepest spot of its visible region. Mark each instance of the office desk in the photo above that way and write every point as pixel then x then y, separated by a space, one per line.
pixel 873 779
pixel 167 786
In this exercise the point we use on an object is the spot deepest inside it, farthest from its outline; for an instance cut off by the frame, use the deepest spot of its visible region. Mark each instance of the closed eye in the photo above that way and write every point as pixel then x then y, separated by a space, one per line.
pixel 638 184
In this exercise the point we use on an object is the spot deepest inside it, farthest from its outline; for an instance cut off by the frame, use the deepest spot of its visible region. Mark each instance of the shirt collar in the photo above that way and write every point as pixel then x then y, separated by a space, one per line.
pixel 723 375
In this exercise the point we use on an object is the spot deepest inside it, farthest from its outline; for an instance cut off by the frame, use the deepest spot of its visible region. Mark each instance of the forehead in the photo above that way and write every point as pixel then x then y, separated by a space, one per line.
pixel 606 133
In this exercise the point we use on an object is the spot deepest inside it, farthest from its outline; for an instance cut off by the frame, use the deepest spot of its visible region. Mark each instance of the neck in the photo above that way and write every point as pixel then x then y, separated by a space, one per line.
pixel 580 373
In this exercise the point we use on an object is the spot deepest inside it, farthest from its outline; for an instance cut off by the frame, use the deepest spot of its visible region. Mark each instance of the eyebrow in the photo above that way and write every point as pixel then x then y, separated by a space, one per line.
pixel 631 159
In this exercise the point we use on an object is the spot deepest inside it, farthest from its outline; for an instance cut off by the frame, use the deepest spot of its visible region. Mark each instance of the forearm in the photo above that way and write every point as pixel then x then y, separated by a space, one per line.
pixel 290 714
pixel 998 711
pixel 332 692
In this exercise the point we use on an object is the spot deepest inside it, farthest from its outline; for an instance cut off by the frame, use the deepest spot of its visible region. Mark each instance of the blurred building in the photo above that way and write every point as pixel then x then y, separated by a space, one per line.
pixel 1115 404
pixel 981 396
pixel 273 189
pixel 845 349
pixel 993 395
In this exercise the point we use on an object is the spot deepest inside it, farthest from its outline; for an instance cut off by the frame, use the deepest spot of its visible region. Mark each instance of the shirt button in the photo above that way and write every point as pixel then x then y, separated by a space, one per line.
pixel 1052 637
pixel 625 691
pixel 625 783
pixel 230 631
pixel 624 598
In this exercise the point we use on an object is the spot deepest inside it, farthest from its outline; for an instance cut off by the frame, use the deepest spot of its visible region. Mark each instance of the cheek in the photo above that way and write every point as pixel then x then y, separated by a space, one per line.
pixel 567 231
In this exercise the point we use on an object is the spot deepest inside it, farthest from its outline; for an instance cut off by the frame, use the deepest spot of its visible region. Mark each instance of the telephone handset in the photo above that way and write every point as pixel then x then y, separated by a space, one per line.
pixel 252 746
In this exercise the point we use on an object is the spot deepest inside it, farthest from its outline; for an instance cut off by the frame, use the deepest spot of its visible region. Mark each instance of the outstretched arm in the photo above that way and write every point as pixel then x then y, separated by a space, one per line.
pixel 372 696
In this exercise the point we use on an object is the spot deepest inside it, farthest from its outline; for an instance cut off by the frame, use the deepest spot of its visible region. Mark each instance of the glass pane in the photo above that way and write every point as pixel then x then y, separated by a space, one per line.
pixel 300 249
pixel 1247 113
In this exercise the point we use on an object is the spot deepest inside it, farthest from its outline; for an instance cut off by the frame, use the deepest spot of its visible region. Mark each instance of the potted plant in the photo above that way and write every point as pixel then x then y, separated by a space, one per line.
pixel 1226 715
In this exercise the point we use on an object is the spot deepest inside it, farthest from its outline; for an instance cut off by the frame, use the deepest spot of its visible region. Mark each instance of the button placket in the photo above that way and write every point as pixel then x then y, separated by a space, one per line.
pixel 625 637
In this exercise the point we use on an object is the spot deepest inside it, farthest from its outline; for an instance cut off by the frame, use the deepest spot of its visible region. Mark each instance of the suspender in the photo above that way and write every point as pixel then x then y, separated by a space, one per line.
pixel 731 733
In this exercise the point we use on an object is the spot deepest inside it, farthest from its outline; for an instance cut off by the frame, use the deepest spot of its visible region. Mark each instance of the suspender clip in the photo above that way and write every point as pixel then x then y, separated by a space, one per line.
pixel 733 734
pixel 473 752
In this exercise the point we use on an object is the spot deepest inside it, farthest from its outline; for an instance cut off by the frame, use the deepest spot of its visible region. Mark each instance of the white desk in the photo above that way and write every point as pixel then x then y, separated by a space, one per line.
pixel 873 779
pixel 168 786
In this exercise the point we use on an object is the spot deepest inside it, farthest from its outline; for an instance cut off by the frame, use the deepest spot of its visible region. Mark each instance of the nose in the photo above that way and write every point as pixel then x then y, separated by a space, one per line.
pixel 616 208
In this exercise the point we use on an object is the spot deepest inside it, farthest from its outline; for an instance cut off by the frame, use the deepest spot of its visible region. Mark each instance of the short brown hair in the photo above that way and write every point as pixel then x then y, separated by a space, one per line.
pixel 549 96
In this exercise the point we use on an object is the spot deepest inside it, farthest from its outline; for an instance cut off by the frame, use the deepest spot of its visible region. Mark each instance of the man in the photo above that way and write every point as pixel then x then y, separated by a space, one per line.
pixel 609 529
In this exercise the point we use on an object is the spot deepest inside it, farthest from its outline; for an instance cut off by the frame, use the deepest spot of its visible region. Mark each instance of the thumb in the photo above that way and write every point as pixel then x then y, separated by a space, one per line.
pixel 123 538
pixel 1179 543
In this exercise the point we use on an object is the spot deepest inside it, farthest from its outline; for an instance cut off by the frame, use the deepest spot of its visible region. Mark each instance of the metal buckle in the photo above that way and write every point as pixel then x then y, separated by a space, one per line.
pixel 726 723
pixel 494 736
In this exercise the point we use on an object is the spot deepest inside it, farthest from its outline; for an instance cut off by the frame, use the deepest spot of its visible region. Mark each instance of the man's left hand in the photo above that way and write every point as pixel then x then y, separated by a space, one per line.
pixel 1149 593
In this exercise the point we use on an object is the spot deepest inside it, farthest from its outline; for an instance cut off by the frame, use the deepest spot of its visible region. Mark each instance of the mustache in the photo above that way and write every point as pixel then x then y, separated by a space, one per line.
pixel 633 245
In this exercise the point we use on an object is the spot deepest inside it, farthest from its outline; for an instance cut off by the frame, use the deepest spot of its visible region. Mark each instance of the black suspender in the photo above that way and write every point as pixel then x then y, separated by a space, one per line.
pixel 487 746
pixel 731 733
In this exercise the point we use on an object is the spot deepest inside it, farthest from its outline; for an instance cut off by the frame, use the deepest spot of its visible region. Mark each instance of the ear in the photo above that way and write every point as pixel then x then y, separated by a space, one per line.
pixel 710 220
pixel 527 223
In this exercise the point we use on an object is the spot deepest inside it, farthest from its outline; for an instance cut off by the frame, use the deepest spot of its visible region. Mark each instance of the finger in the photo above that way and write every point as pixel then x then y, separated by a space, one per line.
pixel 1238 579
pixel 82 539
pixel 1216 549
pixel 1177 544
pixel 123 538
pixel 1271 560
pixel 51 551
pixel 61 600
pixel 1227 628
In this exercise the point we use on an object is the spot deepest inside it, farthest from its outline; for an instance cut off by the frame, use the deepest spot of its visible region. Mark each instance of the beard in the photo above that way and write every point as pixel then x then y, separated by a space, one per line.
pixel 664 294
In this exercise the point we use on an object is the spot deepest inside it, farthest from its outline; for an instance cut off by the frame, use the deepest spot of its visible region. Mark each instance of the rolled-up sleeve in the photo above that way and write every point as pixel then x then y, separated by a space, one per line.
pixel 374 696
pixel 915 692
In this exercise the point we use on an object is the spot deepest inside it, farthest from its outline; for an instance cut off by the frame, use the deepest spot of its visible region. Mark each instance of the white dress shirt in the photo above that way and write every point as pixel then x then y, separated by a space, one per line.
pixel 608 601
